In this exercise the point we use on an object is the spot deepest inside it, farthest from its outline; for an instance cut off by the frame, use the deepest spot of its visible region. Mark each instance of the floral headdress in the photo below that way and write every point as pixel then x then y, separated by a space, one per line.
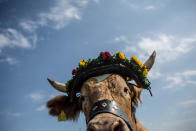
pixel 107 63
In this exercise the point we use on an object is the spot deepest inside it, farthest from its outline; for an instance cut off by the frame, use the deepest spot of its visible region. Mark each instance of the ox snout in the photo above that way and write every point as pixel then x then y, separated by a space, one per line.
pixel 107 123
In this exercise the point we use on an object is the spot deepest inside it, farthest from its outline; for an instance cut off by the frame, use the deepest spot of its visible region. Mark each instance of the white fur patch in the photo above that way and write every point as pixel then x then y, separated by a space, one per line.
pixel 101 77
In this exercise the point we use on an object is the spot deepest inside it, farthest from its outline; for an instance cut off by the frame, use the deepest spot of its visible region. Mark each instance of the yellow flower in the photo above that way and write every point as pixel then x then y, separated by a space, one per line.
pixel 122 56
pixel 116 53
pixel 134 58
pixel 140 63
pixel 145 72
pixel 137 61
pixel 83 63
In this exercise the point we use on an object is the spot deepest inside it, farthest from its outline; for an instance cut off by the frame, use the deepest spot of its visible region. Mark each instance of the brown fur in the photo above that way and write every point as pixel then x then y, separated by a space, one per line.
pixel 61 102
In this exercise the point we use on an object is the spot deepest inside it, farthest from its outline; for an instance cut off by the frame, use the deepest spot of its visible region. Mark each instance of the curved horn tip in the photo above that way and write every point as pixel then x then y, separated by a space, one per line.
pixel 50 81
pixel 149 63
pixel 154 53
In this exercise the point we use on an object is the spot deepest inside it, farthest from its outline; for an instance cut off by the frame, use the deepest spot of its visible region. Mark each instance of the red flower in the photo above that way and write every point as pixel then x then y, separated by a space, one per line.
pixel 105 55
pixel 73 71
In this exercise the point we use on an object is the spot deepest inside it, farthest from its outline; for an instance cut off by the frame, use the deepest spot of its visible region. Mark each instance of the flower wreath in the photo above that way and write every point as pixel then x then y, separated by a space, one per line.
pixel 105 58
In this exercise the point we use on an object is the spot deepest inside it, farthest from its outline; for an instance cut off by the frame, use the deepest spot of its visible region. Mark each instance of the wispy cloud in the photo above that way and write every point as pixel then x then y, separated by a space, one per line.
pixel 9 60
pixel 168 47
pixel 14 114
pixel 180 124
pixel 149 7
pixel 41 108
pixel 188 102
pixel 154 74
pixel 180 79
pixel 36 97
pixel 13 38
pixel 141 5
pixel 57 17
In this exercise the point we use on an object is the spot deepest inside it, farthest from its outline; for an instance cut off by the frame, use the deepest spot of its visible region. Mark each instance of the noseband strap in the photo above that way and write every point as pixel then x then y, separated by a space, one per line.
pixel 107 106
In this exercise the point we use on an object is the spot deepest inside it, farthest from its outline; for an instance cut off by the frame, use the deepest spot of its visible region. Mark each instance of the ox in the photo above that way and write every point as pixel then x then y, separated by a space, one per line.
pixel 107 99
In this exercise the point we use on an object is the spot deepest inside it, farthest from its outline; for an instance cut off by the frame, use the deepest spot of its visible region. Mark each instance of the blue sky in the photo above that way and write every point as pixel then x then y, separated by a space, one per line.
pixel 48 38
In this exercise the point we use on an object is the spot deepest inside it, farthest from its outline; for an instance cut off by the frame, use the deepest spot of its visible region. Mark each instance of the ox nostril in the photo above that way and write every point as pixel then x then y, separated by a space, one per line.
pixel 116 126
pixel 92 127
pixel 119 126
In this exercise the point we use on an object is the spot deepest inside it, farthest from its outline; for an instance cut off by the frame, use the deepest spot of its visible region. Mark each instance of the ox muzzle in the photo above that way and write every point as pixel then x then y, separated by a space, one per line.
pixel 107 106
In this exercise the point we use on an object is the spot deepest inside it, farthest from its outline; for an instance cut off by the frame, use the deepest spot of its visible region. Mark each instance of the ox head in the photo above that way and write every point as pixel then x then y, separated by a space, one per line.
pixel 113 91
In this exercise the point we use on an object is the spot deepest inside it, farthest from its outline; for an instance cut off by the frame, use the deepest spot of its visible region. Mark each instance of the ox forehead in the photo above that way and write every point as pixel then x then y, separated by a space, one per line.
pixel 101 77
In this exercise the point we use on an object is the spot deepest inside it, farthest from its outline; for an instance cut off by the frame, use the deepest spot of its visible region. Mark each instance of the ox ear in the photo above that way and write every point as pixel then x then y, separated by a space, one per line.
pixel 137 95
pixel 62 103
pixel 135 91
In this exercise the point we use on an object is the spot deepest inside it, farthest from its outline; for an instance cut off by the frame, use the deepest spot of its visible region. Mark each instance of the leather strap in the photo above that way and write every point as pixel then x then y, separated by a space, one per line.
pixel 107 106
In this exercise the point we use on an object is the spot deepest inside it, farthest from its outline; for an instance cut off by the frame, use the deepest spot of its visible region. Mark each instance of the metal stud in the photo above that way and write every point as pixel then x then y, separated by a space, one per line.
pixel 115 107
pixel 94 108
pixel 104 104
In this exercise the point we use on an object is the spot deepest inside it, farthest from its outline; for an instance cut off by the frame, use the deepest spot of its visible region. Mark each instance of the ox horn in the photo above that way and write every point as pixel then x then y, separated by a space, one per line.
pixel 149 63
pixel 57 85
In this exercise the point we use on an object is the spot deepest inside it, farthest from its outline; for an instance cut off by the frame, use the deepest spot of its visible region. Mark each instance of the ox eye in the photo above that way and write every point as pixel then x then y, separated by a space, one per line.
pixel 125 90
pixel 82 98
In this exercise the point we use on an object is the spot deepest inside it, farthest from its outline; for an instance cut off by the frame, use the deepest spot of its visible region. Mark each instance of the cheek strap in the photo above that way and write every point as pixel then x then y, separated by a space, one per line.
pixel 107 106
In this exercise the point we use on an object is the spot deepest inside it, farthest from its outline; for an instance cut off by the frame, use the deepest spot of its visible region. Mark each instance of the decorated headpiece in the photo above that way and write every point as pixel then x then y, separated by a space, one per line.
pixel 106 63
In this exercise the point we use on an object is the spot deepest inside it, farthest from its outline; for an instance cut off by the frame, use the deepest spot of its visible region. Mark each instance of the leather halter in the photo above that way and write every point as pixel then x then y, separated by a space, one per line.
pixel 107 106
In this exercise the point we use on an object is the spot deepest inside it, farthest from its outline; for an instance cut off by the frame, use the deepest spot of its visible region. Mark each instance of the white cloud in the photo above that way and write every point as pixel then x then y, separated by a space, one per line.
pixel 189 73
pixel 13 38
pixel 191 82
pixel 36 97
pixel 180 124
pixel 14 114
pixel 60 15
pixel 149 7
pixel 121 38
pixel 154 74
pixel 141 6
pixel 9 60
pixel 41 108
pixel 57 17
pixel 182 79
pixel 189 102
pixel 168 47
pixel 28 25
pixel 96 1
